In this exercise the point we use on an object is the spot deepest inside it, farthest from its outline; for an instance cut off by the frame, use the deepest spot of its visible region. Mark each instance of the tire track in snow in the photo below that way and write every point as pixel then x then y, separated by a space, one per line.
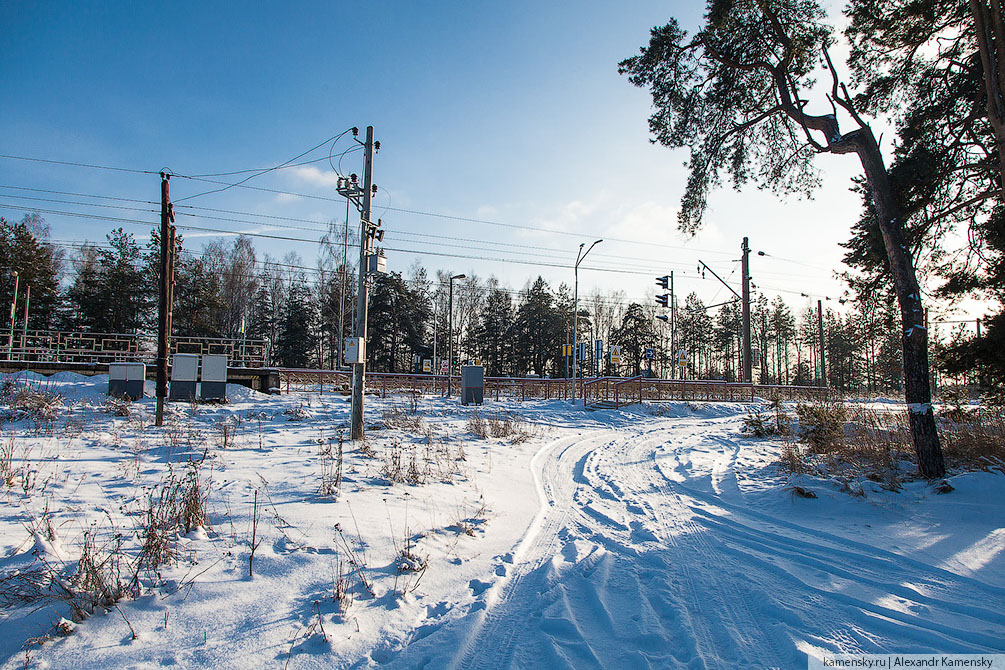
pixel 729 627
pixel 494 627
pixel 855 581
pixel 631 564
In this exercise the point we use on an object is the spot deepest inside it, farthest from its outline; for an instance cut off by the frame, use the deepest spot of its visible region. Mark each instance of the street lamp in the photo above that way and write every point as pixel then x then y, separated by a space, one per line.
pixel 575 314
pixel 450 331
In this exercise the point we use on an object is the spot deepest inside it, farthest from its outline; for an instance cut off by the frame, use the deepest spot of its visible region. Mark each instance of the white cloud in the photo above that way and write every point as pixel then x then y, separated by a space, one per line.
pixel 310 174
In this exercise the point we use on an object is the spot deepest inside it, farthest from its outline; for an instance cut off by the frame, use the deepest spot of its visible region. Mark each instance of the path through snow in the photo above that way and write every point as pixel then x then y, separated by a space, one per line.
pixel 656 546
pixel 657 537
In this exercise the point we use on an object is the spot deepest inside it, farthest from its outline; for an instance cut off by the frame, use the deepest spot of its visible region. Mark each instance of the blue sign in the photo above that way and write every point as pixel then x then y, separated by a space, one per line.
pixel 650 354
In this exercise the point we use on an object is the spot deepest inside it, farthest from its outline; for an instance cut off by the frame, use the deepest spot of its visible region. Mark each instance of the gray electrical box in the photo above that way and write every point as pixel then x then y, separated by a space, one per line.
pixel 472 384
pixel 126 379
pixel 376 264
pixel 184 375
pixel 214 377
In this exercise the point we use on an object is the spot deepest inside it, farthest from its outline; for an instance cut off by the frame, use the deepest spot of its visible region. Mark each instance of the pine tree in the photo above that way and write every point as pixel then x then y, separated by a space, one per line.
pixel 109 292
pixel 539 330
pixel 493 336
pixel 296 345
pixel 24 248
pixel 634 335
pixel 734 95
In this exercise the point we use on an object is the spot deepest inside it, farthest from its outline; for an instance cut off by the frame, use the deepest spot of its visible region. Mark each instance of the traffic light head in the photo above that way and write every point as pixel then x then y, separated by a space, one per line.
pixel 663 299
pixel 663 281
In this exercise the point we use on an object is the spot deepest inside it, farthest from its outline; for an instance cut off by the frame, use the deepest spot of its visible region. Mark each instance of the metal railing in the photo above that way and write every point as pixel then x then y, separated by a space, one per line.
pixel 619 390
pixel 55 346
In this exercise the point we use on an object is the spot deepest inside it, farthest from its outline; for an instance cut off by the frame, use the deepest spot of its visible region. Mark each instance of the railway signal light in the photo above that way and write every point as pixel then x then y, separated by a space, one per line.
pixel 663 300
pixel 664 281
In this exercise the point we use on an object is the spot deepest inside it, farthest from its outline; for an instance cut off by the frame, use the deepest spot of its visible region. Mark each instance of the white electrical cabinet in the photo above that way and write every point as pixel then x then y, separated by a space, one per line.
pixel 355 350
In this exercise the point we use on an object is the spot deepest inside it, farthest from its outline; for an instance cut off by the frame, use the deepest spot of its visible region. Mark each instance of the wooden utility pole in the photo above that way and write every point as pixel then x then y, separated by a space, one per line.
pixel 365 241
pixel 166 292
pixel 747 364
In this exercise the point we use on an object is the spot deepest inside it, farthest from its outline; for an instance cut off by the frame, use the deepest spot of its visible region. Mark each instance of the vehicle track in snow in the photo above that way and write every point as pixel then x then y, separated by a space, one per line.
pixel 639 558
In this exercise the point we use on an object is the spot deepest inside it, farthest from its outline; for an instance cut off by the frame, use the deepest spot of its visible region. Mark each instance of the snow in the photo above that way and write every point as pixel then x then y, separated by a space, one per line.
pixel 655 536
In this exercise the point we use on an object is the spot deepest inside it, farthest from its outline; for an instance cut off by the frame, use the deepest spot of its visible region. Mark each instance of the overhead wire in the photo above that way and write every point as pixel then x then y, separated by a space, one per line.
pixel 320 226
pixel 265 264
pixel 259 173
pixel 204 178
pixel 243 185
pixel 425 252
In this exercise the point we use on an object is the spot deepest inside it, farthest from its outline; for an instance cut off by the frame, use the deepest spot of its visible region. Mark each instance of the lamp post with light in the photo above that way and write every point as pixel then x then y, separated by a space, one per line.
pixel 575 314
pixel 450 331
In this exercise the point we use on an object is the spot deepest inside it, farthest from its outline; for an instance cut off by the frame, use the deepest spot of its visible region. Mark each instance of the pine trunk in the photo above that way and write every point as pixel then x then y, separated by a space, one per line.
pixel 914 336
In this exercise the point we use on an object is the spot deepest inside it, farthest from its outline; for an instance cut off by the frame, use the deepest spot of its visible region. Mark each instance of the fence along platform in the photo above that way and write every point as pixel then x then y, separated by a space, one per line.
pixel 54 346
pixel 619 390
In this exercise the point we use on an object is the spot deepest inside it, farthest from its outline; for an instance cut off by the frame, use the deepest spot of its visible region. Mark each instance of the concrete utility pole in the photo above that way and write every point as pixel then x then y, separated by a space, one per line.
pixel 450 331
pixel 24 326
pixel 575 314
pixel 745 300
pixel 820 332
pixel 365 242
pixel 747 363
pixel 673 326
pixel 13 314
pixel 164 301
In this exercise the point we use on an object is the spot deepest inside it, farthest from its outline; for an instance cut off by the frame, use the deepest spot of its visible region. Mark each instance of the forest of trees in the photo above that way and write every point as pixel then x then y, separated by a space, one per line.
pixel 228 290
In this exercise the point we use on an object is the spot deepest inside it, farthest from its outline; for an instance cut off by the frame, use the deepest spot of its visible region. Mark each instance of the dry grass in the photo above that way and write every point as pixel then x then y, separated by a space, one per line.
pixel 177 506
pixel 406 419
pixel 975 443
pixel 117 406
pixel 849 442
pixel 331 464
pixel 101 576
pixel 32 401
pixel 500 426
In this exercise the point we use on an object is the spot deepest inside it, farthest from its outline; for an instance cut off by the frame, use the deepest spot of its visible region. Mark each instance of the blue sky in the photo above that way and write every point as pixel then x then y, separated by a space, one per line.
pixel 509 112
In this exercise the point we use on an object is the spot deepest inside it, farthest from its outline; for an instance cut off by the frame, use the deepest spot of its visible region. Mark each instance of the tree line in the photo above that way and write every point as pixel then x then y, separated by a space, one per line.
pixel 227 289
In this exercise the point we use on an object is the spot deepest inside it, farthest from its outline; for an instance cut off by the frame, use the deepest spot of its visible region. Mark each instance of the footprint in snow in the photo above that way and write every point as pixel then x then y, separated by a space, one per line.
pixel 640 533
pixel 478 587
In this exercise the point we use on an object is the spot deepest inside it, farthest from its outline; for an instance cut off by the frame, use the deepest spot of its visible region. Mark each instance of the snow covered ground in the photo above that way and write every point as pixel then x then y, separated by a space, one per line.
pixel 656 536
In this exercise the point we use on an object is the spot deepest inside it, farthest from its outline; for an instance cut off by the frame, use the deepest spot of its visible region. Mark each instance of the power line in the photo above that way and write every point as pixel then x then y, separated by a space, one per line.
pixel 394 209
pixel 79 195
pixel 203 178
pixel 83 165
pixel 441 254
pixel 313 241
pixel 261 172
pixel 325 226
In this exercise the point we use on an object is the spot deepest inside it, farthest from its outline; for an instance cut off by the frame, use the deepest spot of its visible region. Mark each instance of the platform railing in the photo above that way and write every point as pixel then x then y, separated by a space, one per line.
pixel 622 391
pixel 54 346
